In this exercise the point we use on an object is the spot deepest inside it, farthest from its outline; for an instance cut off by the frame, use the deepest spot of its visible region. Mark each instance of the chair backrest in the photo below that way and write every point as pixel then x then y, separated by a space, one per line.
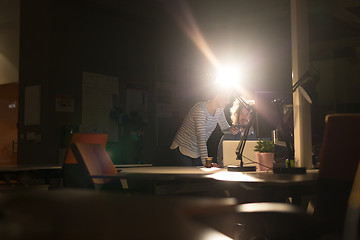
pixel 72 171
pixel 93 138
pixel 339 155
pixel 95 159
pixel 351 225
pixel 339 159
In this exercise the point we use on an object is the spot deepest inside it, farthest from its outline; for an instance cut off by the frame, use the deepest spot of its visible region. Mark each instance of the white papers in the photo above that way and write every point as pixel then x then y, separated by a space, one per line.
pixel 64 103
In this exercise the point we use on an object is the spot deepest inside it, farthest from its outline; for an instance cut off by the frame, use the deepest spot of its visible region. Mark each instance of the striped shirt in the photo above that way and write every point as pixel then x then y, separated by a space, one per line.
pixel 196 129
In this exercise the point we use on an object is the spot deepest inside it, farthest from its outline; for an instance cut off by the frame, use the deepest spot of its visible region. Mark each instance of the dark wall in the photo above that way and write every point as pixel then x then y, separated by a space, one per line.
pixel 60 39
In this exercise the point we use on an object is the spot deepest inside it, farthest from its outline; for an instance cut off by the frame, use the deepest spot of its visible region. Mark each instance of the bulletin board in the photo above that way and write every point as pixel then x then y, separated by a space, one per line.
pixel 98 94
pixel 137 101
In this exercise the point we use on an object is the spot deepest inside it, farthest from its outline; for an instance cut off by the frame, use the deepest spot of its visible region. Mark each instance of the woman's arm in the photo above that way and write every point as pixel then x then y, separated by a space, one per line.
pixel 200 121
pixel 223 123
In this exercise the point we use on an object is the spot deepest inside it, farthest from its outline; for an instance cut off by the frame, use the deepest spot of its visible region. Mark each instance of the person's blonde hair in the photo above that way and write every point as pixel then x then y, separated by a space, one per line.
pixel 235 110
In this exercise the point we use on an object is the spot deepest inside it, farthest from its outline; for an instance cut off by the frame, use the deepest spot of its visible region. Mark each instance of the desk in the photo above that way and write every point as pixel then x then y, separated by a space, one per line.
pixel 132 165
pixel 166 172
pixel 83 214
pixel 246 187
pixel 23 174
pixel 218 174
pixel 267 186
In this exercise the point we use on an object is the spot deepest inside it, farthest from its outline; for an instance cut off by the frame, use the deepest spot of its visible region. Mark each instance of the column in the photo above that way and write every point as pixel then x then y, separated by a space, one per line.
pixel 300 64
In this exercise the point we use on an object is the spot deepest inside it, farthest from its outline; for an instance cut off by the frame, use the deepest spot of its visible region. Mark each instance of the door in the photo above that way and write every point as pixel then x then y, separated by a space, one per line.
pixel 8 123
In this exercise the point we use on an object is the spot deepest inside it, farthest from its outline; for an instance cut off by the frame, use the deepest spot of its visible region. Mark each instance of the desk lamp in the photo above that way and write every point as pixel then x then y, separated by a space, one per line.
pixel 227 76
pixel 286 135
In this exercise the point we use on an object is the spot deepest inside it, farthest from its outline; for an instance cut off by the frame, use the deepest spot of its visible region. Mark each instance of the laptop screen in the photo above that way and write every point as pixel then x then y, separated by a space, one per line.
pixel 229 153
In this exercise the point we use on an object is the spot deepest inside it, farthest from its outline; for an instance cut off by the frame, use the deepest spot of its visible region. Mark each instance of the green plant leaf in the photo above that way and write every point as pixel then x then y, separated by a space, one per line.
pixel 265 146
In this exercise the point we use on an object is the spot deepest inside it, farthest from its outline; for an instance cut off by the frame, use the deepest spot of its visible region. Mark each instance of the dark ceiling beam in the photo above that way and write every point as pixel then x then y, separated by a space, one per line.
pixel 334 44
pixel 342 12
pixel 150 9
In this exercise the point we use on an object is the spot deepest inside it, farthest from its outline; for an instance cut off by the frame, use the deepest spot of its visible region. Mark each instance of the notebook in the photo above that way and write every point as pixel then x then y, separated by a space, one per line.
pixel 229 153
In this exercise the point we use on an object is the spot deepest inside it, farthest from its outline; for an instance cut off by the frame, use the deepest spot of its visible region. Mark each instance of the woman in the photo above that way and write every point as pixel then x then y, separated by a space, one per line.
pixel 189 145
pixel 239 116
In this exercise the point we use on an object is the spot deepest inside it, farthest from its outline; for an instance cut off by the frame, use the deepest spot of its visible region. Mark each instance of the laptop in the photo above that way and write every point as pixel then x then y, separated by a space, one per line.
pixel 229 153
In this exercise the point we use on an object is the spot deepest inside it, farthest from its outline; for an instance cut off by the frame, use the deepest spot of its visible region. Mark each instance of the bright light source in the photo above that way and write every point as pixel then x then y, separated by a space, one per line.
pixel 228 76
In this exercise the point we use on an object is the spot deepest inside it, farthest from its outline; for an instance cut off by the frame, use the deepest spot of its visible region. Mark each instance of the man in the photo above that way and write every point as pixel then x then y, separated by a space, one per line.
pixel 239 116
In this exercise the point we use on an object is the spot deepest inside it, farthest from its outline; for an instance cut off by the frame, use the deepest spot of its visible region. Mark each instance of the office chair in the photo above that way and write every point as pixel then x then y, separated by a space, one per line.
pixel 72 170
pixel 99 172
pixel 92 138
pixel 339 150
pixel 339 159
pixel 351 224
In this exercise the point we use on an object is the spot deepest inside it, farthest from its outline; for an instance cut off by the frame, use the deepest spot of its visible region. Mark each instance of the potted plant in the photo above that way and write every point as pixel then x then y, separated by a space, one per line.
pixel 265 154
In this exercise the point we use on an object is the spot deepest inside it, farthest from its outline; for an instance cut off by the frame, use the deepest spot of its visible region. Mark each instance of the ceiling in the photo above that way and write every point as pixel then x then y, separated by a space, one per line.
pixel 333 24
pixel 9 11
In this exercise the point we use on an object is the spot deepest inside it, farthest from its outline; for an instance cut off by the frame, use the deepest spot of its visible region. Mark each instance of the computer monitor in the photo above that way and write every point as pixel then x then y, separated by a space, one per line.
pixel 267 113
pixel 229 153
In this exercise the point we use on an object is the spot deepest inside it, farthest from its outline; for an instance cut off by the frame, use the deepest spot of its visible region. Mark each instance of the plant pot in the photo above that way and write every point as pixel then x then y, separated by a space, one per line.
pixel 265 160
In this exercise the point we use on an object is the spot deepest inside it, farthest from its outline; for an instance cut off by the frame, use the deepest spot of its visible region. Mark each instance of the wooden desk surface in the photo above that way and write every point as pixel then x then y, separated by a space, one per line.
pixel 170 170
pixel 245 186
pixel 218 174
pixel 268 177
pixel 19 168
pixel 24 174
pixel 132 165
